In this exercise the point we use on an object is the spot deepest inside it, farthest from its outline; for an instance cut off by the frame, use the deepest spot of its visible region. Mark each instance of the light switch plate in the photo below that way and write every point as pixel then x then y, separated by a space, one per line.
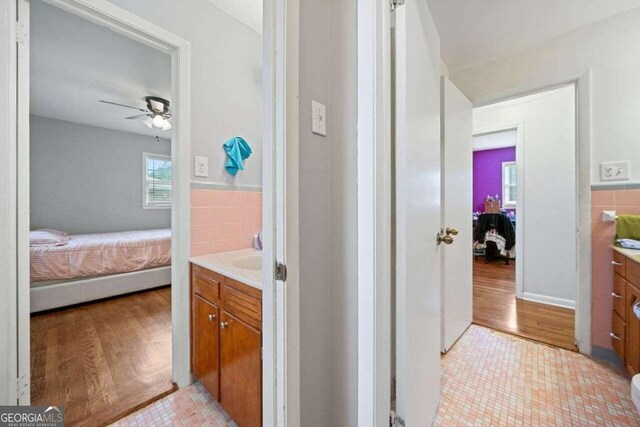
pixel 615 171
pixel 201 166
pixel 319 118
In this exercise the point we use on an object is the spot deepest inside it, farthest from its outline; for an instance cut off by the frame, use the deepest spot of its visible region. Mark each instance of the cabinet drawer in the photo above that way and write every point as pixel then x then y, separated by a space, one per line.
pixel 206 284
pixel 244 306
pixel 619 263
pixel 632 272
pixel 618 335
pixel 618 295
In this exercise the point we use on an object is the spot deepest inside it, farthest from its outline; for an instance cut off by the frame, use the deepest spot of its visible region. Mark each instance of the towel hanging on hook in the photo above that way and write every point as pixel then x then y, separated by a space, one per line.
pixel 237 150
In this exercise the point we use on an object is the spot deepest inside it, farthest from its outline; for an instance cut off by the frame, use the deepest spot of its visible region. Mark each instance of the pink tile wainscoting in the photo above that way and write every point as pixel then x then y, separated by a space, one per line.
pixel 224 220
pixel 602 236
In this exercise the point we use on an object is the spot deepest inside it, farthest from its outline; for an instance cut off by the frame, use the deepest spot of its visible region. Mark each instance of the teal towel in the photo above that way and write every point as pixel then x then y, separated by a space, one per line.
pixel 237 150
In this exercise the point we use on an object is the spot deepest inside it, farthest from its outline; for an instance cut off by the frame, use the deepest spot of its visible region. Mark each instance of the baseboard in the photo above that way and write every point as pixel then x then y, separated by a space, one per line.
pixel 544 299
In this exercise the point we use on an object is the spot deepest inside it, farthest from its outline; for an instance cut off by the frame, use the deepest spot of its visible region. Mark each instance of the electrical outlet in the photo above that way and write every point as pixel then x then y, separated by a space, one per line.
pixel 319 118
pixel 615 171
pixel 201 166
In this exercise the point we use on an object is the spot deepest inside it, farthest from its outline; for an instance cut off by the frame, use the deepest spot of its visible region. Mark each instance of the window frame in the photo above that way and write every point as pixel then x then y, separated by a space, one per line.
pixel 145 188
pixel 511 204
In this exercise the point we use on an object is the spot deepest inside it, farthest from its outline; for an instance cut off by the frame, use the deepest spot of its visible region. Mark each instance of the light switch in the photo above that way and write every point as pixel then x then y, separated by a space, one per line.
pixel 201 166
pixel 615 171
pixel 319 118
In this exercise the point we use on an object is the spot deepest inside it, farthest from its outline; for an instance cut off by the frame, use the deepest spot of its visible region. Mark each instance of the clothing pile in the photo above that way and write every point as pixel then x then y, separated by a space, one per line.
pixel 496 228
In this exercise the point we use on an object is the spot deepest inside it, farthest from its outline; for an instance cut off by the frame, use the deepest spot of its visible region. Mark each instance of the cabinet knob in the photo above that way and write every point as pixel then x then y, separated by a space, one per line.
pixel 212 317
pixel 224 325
pixel 619 264
pixel 613 294
pixel 615 337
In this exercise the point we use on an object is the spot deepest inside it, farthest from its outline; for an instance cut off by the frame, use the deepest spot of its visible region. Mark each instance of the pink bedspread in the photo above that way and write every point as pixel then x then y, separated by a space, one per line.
pixel 99 254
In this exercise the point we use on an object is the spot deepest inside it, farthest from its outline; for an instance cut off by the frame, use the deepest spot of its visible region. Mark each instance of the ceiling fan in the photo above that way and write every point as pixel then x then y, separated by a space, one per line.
pixel 156 114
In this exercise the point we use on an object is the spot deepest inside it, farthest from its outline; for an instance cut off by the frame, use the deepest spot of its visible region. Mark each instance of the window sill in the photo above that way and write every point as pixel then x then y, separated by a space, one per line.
pixel 156 207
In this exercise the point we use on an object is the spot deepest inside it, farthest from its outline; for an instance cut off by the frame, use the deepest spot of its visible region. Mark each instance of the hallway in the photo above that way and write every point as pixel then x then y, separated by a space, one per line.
pixel 495 306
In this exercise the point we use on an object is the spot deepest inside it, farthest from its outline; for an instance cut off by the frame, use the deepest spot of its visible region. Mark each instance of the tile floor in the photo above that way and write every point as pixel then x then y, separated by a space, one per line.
pixel 190 406
pixel 488 379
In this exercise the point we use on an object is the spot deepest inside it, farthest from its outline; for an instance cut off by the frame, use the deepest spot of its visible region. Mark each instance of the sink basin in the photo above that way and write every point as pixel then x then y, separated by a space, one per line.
pixel 253 262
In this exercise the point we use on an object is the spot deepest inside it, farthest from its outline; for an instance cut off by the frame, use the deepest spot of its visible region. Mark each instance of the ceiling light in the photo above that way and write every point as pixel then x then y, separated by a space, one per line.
pixel 167 125
pixel 148 121
pixel 158 121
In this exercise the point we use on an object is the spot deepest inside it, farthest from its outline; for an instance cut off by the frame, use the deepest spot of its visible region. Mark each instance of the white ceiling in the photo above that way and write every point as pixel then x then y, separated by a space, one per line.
pixel 249 12
pixel 477 31
pixel 75 63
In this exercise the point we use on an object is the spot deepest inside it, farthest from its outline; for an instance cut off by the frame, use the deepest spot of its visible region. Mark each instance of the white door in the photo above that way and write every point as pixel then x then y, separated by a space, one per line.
pixel 418 257
pixel 457 189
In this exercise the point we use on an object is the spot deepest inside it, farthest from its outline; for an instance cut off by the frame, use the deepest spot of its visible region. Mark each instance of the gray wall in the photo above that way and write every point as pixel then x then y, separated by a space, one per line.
pixel 86 179
pixel 328 215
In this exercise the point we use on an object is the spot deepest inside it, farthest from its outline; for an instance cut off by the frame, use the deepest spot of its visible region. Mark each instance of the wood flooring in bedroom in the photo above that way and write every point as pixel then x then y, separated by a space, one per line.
pixel 495 306
pixel 103 360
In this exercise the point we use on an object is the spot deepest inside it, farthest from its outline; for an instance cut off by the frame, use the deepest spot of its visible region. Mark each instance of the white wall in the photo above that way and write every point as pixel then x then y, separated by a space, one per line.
pixel 226 80
pixel 610 48
pixel 86 179
pixel 549 212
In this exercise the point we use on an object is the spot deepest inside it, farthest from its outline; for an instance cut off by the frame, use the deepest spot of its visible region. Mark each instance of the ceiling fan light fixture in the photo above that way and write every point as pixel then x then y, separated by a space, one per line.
pixel 167 125
pixel 149 122
pixel 158 121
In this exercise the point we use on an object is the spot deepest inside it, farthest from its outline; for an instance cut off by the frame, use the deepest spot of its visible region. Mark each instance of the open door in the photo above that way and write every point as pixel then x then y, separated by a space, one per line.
pixel 418 255
pixel 457 189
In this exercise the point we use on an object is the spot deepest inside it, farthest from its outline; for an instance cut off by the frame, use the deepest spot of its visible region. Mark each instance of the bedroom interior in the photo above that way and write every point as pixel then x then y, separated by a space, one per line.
pixel 101 215
pixel 525 290
pixel 100 194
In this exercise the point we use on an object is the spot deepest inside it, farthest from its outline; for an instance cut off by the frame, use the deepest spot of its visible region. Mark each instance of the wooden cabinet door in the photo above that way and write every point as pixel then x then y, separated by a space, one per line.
pixel 632 344
pixel 241 371
pixel 206 345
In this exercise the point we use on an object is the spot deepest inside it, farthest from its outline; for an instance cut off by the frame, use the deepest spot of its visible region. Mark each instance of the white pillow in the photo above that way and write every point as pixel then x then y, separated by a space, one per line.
pixel 48 237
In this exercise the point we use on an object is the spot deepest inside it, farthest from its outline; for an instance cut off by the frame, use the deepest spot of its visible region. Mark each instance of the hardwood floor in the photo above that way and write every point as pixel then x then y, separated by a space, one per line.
pixel 495 306
pixel 103 360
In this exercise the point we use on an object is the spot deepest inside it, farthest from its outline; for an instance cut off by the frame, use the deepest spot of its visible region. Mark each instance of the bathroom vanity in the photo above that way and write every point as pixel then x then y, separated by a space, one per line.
pixel 226 331
pixel 625 327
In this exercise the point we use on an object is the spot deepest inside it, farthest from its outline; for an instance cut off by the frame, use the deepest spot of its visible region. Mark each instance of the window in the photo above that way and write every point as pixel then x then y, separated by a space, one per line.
pixel 509 184
pixel 156 181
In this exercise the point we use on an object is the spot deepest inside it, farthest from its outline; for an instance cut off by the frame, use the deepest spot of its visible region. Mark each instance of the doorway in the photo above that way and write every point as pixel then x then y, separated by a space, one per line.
pixel 525 190
pixel 280 220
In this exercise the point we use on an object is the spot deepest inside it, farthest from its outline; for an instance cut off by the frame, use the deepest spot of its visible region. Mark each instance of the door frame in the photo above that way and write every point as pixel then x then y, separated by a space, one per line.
pixel 281 351
pixel 583 88
pixel 520 166
pixel 374 212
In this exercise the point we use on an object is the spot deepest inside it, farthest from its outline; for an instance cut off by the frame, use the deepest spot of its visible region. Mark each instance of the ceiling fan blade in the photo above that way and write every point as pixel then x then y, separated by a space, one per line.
pixel 139 116
pixel 122 105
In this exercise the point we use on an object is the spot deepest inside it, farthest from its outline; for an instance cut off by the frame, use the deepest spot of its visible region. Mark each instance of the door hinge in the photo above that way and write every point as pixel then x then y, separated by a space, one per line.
pixel 281 271
pixel 22 385
pixel 395 4
pixel 396 420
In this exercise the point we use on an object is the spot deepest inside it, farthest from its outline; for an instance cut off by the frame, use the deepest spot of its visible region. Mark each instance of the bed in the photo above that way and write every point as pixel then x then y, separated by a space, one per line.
pixel 87 267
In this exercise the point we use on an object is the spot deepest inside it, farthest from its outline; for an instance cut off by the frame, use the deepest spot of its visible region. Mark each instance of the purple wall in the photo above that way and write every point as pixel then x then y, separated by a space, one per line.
pixel 487 173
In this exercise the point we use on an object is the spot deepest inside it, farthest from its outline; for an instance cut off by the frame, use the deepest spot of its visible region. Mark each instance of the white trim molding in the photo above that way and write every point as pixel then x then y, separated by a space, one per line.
pixel 545 299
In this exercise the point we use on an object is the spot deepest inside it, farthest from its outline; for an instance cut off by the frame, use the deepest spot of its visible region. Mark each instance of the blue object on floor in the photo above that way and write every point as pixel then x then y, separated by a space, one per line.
pixel 237 150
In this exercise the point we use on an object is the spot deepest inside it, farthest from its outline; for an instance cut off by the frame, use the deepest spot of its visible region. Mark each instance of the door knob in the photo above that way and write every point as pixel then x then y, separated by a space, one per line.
pixel 452 231
pixel 444 238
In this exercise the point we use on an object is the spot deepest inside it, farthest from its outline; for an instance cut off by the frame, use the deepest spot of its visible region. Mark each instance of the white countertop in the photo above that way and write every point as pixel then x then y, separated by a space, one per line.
pixel 223 263
pixel 634 254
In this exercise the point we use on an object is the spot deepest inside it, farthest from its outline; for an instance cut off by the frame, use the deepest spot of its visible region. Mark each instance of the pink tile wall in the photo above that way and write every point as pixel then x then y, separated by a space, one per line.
pixel 602 235
pixel 224 220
